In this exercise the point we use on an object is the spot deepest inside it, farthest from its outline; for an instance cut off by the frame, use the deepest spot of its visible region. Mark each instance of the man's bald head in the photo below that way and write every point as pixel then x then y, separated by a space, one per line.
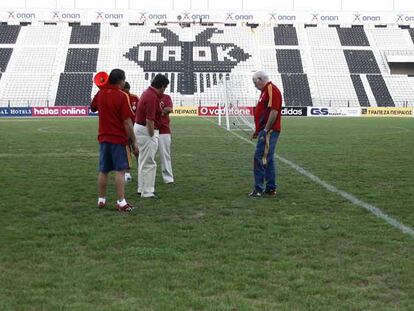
pixel 260 79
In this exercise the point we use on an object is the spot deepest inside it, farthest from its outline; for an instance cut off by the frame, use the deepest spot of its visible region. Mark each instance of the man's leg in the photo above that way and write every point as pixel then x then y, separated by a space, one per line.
pixel 164 146
pixel 259 163
pixel 148 166
pixel 102 183
pixel 120 185
pixel 270 170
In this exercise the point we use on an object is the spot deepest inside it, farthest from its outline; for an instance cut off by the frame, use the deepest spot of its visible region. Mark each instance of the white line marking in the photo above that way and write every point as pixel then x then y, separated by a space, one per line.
pixel 370 208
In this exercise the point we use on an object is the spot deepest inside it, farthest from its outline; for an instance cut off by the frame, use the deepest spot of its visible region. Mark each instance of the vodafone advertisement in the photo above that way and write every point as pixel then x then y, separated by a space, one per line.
pixel 206 111
pixel 73 111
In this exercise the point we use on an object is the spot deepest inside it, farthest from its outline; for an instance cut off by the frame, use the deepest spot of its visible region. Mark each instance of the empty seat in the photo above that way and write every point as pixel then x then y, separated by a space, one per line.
pixel 296 91
pixel 361 61
pixel 380 91
pixel 4 58
pixel 353 36
pixel 74 89
pixel 9 33
pixel 81 60
pixel 85 34
pixel 289 61
pixel 285 35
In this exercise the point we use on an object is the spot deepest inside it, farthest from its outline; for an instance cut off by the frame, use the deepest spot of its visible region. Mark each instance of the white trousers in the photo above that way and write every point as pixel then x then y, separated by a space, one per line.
pixel 147 167
pixel 164 147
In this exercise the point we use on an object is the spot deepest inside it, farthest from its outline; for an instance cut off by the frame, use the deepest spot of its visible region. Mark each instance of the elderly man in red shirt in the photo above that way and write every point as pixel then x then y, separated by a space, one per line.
pixel 267 119
pixel 146 128
pixel 164 142
pixel 115 129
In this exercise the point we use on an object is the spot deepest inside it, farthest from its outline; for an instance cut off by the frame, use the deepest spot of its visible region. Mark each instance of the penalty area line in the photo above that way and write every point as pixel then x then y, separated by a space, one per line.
pixel 347 196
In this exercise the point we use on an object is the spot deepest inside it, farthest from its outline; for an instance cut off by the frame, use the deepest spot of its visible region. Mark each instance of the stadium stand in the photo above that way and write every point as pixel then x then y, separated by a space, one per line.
pixel 319 65
pixel 285 35
pixel 4 58
pixel 9 33
pixel 85 34
pixel 71 90
pixel 352 36
pixel 361 61
pixel 360 91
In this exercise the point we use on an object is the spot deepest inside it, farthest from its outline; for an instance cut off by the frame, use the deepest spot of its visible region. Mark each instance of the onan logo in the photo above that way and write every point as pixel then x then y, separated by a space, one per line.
pixel 144 16
pixel 366 18
pixel 187 58
pixel 187 16
pixel 238 17
pixel 20 15
pixel 65 16
pixel 404 18
pixel 316 17
pixel 109 16
pixel 329 18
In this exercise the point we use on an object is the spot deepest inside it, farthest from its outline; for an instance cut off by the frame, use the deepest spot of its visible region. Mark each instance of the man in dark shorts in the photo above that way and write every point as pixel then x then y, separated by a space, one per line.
pixel 115 129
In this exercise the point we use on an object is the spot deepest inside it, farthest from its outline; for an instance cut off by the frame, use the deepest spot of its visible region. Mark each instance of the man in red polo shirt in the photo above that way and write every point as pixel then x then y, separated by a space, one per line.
pixel 146 128
pixel 133 102
pixel 164 141
pixel 115 129
pixel 267 119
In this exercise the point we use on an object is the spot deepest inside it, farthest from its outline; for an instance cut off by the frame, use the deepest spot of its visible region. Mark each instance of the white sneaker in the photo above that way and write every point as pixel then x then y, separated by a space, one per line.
pixel 128 177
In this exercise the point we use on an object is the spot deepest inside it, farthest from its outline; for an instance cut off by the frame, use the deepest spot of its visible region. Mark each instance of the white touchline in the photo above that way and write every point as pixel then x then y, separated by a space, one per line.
pixel 374 210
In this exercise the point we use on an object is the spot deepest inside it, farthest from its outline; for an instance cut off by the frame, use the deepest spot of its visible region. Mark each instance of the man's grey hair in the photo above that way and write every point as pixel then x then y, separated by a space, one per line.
pixel 261 75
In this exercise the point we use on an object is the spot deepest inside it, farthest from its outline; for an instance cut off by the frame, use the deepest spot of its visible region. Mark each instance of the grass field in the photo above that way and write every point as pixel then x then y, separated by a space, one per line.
pixel 203 245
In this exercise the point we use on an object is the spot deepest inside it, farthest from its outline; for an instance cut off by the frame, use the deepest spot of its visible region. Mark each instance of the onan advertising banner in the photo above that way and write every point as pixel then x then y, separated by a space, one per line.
pixel 386 112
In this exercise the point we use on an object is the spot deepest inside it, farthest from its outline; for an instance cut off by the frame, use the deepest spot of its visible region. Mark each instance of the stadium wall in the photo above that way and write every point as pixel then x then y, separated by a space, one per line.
pixel 88 16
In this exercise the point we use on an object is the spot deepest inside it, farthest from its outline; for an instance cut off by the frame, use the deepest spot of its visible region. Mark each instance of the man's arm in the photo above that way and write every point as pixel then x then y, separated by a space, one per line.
pixel 150 127
pixel 272 118
pixel 94 104
pixel 131 135
pixel 166 111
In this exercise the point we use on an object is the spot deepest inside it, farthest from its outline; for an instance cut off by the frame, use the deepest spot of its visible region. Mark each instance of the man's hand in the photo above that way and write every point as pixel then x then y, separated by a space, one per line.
pixel 254 135
pixel 135 149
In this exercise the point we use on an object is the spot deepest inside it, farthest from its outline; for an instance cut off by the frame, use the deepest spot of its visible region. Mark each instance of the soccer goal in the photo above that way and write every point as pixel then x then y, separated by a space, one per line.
pixel 237 99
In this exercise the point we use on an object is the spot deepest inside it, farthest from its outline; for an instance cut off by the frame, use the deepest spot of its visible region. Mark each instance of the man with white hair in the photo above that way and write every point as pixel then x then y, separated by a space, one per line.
pixel 267 119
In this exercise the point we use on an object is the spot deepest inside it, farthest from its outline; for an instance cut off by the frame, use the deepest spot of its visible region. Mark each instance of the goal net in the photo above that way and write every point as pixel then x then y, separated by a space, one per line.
pixel 237 99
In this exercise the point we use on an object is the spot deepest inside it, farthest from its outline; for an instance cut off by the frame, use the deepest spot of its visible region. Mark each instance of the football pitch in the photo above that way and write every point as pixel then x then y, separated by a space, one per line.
pixel 203 244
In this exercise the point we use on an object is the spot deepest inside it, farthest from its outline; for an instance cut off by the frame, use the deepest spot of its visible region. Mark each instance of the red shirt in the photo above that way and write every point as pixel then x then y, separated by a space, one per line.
pixel 149 108
pixel 165 119
pixel 270 98
pixel 133 101
pixel 113 106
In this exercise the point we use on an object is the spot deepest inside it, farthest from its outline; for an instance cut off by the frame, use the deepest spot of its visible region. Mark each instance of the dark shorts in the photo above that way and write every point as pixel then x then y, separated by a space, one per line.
pixel 113 157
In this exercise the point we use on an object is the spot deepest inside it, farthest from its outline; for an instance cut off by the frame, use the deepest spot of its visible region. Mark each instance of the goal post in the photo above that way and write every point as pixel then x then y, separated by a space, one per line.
pixel 237 99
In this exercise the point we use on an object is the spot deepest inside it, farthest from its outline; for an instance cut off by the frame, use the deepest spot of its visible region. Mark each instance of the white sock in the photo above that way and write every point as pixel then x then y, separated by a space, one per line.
pixel 122 202
pixel 102 200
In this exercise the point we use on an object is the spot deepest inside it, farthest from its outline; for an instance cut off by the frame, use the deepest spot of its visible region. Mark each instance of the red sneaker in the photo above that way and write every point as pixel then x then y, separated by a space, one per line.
pixel 126 208
pixel 101 205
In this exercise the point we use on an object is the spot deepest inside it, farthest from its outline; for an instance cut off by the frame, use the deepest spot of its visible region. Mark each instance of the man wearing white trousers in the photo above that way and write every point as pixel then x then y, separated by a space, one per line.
pixel 164 141
pixel 146 128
